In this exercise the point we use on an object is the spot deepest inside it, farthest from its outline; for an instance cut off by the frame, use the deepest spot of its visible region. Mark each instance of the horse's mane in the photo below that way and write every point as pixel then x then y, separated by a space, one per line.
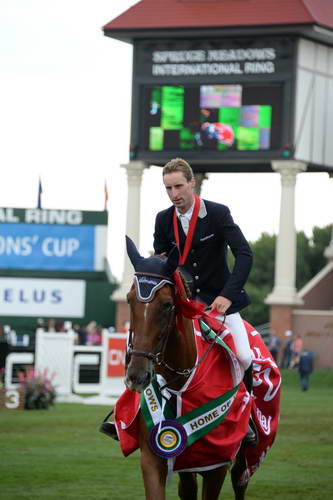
pixel 185 276
pixel 187 281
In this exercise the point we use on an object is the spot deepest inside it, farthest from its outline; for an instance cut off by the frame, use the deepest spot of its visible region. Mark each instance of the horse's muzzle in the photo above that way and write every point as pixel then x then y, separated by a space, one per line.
pixel 137 380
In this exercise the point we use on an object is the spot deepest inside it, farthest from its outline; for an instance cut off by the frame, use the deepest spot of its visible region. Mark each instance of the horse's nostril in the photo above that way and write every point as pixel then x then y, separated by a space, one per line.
pixel 141 380
pixel 144 379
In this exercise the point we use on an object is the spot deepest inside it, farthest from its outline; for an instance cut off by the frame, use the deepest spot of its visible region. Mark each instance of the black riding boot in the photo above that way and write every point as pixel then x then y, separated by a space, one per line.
pixel 248 378
pixel 109 428
pixel 251 436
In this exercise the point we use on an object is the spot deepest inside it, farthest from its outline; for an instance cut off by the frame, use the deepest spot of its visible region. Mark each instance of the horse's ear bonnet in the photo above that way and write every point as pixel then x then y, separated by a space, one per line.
pixel 151 273
pixel 132 252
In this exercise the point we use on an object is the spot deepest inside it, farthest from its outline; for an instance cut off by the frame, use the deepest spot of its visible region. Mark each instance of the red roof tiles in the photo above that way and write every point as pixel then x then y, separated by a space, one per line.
pixel 159 14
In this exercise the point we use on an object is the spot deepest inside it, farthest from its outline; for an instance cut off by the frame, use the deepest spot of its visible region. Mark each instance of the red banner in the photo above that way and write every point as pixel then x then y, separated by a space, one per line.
pixel 116 357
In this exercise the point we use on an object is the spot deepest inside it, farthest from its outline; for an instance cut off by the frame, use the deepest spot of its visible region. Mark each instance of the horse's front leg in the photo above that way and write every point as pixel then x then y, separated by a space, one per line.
pixel 154 469
pixel 212 482
pixel 188 486
pixel 237 472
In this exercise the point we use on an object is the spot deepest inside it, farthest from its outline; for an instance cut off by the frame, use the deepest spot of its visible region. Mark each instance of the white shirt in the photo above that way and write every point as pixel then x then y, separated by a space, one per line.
pixel 186 217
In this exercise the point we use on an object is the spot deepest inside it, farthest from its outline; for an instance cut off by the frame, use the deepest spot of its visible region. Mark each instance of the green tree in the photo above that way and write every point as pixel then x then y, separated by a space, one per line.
pixel 261 278
pixel 321 237
pixel 303 261
pixel 310 260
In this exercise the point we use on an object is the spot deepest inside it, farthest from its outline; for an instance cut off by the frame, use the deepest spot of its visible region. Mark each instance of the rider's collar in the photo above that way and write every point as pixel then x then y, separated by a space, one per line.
pixel 188 214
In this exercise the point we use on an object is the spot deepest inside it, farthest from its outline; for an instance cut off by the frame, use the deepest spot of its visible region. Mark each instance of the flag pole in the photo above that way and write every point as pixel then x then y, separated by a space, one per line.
pixel 40 191
pixel 106 195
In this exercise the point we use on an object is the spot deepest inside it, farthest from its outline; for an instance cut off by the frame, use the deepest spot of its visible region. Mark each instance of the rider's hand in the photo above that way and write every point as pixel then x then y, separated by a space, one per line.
pixel 221 304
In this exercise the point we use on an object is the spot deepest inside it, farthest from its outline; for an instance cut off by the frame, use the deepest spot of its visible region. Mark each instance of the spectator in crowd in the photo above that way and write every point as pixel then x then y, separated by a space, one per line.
pixel 68 327
pixel 305 368
pixel 287 351
pixel 51 326
pixel 41 323
pixel 274 344
pixel 296 348
pixel 99 331
pixel 80 333
pixel 59 325
pixel 94 336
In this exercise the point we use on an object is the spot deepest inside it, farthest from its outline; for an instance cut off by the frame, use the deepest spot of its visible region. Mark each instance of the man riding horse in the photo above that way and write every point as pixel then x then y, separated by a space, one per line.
pixel 185 406
pixel 203 230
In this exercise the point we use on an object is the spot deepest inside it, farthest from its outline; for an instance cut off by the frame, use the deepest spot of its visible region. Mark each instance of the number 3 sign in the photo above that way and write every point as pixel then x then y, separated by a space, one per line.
pixel 11 399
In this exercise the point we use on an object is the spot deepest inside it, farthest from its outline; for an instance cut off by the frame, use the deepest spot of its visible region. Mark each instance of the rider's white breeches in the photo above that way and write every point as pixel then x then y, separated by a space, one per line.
pixel 237 328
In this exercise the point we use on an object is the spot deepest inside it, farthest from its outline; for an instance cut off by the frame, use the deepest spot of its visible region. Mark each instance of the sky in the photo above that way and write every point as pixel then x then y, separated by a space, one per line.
pixel 65 104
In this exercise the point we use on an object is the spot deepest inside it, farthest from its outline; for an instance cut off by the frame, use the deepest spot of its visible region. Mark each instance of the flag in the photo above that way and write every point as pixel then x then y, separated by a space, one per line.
pixel 40 190
pixel 106 195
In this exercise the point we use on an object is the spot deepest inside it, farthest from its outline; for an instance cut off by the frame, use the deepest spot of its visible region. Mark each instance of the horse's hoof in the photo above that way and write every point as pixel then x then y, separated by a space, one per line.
pixel 109 429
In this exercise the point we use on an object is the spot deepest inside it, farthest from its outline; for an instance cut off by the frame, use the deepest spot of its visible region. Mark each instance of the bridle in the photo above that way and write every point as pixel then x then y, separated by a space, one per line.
pixel 158 358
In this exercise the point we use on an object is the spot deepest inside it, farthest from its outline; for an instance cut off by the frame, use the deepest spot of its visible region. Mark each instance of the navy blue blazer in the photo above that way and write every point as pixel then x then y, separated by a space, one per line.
pixel 207 260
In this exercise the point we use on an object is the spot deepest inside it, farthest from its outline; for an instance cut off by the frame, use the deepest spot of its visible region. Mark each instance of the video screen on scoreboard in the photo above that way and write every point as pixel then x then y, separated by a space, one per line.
pixel 212 117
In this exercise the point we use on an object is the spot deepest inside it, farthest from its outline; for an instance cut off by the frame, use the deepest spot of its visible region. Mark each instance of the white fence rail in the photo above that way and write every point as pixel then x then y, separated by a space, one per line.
pixel 67 363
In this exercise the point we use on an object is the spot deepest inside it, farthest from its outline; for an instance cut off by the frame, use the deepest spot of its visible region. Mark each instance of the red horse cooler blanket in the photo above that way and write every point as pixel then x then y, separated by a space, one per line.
pixel 215 425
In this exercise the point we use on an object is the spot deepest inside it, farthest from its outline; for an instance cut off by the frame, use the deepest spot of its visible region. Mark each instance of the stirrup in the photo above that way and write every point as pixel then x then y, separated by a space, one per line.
pixel 109 428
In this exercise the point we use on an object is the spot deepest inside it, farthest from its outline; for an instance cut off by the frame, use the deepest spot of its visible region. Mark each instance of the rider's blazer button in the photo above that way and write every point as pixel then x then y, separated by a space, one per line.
pixel 198 290
pixel 196 277
pixel 195 264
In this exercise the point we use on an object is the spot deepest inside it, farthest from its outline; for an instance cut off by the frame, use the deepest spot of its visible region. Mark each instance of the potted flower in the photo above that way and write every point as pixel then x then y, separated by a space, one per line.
pixel 39 390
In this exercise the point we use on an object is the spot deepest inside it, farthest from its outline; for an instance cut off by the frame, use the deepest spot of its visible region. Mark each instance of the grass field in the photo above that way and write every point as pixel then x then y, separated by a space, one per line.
pixel 58 454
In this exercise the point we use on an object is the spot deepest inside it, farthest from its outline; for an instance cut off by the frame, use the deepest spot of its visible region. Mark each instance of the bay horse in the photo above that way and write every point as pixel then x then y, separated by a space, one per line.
pixel 163 343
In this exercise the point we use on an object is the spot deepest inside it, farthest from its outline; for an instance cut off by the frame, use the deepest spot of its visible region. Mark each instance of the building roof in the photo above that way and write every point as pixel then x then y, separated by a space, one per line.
pixel 178 14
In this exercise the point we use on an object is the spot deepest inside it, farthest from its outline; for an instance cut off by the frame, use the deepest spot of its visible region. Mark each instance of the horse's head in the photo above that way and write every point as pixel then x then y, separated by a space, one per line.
pixel 151 301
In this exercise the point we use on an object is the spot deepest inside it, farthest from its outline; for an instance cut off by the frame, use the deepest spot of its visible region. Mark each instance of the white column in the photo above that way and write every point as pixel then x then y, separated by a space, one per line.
pixel 284 291
pixel 134 170
pixel 329 250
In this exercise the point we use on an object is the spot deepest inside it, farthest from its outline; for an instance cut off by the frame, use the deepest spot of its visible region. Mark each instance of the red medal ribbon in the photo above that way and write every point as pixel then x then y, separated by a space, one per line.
pixel 189 236
pixel 192 309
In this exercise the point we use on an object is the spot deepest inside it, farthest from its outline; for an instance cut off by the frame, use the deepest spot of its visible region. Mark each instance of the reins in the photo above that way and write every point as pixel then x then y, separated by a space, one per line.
pixel 186 372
